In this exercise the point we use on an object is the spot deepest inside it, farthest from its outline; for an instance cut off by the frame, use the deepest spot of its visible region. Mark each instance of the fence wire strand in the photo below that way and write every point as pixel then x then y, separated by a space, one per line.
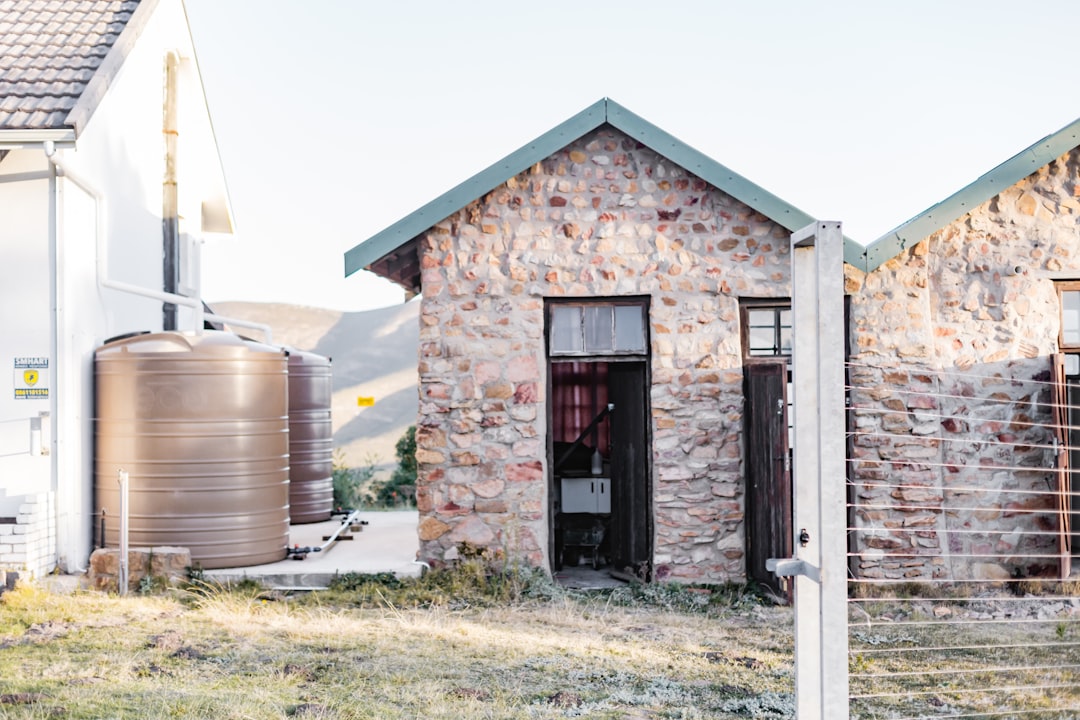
pixel 961 504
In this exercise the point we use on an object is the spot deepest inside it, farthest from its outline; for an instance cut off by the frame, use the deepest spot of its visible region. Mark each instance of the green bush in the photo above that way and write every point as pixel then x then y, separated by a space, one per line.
pixel 349 482
pixel 479 578
pixel 400 489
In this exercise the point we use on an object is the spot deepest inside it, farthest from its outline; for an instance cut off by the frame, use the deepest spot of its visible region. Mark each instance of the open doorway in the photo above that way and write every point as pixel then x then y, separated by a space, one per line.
pixel 600 512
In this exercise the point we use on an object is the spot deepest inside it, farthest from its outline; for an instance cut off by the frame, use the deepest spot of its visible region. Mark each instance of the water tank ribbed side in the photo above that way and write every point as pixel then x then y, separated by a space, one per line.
pixel 200 424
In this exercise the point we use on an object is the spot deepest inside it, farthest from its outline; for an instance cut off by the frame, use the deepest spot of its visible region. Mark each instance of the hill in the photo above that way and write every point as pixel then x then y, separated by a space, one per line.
pixel 373 354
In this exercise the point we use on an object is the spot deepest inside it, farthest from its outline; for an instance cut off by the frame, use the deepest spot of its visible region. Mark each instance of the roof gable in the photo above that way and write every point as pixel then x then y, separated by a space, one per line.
pixel 968 198
pixel 388 252
pixel 57 59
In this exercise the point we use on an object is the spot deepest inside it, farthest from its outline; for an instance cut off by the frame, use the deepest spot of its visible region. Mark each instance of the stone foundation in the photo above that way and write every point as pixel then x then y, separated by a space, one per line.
pixel 164 565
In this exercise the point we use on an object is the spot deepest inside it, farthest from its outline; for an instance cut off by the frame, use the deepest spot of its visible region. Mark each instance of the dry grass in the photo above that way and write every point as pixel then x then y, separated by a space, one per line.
pixel 967 653
pixel 475 643
pixel 347 654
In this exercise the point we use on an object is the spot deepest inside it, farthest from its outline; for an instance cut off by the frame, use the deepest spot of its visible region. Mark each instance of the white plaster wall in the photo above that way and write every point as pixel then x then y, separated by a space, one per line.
pixel 24 296
pixel 119 155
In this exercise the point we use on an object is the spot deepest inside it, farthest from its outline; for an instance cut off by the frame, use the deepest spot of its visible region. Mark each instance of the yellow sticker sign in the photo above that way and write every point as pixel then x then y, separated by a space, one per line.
pixel 365 401
pixel 31 378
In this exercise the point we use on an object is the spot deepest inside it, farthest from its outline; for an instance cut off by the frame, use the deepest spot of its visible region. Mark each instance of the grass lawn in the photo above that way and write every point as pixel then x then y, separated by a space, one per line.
pixel 472 643
pixel 451 645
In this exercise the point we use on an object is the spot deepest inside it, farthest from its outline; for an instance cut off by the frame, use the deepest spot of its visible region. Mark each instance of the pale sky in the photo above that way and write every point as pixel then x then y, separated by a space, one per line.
pixel 336 118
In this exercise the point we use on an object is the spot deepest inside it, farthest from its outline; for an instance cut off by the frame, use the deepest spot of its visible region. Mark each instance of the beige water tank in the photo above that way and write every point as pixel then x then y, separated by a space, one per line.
pixel 311 438
pixel 200 424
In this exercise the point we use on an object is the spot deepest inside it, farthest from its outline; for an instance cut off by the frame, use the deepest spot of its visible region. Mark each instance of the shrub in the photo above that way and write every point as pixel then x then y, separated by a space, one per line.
pixel 349 482
pixel 400 489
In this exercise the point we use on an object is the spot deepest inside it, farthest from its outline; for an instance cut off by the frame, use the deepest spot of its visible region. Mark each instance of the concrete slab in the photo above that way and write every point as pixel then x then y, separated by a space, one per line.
pixel 387 543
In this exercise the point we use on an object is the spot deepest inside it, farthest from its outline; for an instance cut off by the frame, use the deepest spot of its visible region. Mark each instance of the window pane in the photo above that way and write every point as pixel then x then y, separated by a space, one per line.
pixel 629 328
pixel 565 329
pixel 598 335
pixel 785 332
pixel 1070 317
pixel 762 331
pixel 761 341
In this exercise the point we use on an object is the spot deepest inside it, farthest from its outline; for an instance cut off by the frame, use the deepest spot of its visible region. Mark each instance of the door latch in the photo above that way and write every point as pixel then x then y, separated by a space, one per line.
pixel 790 567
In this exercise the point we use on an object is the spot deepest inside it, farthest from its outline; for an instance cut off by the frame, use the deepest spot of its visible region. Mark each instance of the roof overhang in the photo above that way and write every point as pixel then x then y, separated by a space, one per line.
pixel 393 253
pixel 23 139
pixel 106 73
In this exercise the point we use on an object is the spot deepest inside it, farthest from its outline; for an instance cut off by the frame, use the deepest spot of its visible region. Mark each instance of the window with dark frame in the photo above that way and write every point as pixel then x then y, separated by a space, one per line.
pixel 765 328
pixel 1069 334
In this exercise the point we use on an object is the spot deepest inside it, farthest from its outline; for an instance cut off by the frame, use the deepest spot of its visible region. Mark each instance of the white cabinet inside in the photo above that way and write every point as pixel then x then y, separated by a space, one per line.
pixel 586 495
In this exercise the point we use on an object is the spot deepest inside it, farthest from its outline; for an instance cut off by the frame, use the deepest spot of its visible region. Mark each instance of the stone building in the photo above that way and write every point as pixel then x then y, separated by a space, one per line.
pixel 965 329
pixel 608 263
pixel 604 352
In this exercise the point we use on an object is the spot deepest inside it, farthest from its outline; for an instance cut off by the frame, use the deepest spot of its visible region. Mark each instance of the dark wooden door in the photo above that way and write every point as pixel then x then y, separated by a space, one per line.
pixel 768 474
pixel 631 508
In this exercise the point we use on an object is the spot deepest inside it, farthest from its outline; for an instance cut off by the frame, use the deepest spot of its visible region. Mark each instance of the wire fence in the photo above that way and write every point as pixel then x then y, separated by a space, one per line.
pixel 962 491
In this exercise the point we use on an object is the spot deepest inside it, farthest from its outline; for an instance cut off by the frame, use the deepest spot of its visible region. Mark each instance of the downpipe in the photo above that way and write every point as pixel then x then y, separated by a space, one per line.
pixel 102 267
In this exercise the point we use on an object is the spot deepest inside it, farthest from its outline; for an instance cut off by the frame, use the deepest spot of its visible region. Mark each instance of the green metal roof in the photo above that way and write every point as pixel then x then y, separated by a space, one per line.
pixel 382 246
pixel 972 196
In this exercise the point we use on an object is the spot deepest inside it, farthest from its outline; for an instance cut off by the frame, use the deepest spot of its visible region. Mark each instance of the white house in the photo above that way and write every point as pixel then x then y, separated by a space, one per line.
pixel 109 180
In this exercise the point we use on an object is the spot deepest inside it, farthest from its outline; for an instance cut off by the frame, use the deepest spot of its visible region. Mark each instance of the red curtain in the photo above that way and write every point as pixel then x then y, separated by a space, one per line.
pixel 578 393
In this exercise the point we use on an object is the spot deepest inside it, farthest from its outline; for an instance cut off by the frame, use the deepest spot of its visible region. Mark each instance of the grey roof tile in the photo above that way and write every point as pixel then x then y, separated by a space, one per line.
pixel 49 52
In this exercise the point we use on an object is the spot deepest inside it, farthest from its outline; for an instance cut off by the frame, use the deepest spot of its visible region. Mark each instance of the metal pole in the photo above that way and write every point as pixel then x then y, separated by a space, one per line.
pixel 819 567
pixel 122 579
pixel 832 478
pixel 805 320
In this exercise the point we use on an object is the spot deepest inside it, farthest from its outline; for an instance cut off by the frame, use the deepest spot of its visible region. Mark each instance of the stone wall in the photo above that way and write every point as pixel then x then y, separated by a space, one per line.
pixel 605 217
pixel 164 566
pixel 951 342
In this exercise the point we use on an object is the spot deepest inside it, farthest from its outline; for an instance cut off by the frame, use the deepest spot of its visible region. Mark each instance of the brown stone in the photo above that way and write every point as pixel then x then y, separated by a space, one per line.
pixel 499 390
pixel 488 488
pixel 485 371
pixel 431 528
pixel 474 531
pixel 429 457
pixel 525 472
pixel 491 506
pixel 522 368
pixel 464 457
pixel 526 393
pixel 727 245
pixel 451 509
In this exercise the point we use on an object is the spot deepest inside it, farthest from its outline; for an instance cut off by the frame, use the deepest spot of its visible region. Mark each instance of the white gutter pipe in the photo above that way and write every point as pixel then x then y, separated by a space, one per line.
pixel 102 244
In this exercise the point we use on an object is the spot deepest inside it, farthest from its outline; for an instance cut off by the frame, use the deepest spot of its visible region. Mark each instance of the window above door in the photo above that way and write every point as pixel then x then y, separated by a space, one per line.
pixel 766 328
pixel 597 328
pixel 1069 294
pixel 1069 335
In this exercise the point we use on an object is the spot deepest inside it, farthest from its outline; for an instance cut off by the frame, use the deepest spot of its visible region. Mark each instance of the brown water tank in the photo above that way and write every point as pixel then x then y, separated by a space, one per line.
pixel 200 424
pixel 311 438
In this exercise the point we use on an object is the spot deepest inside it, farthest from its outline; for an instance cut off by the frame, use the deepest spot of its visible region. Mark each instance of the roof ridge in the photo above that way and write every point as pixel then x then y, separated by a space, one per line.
pixel 603 111
pixel 996 180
